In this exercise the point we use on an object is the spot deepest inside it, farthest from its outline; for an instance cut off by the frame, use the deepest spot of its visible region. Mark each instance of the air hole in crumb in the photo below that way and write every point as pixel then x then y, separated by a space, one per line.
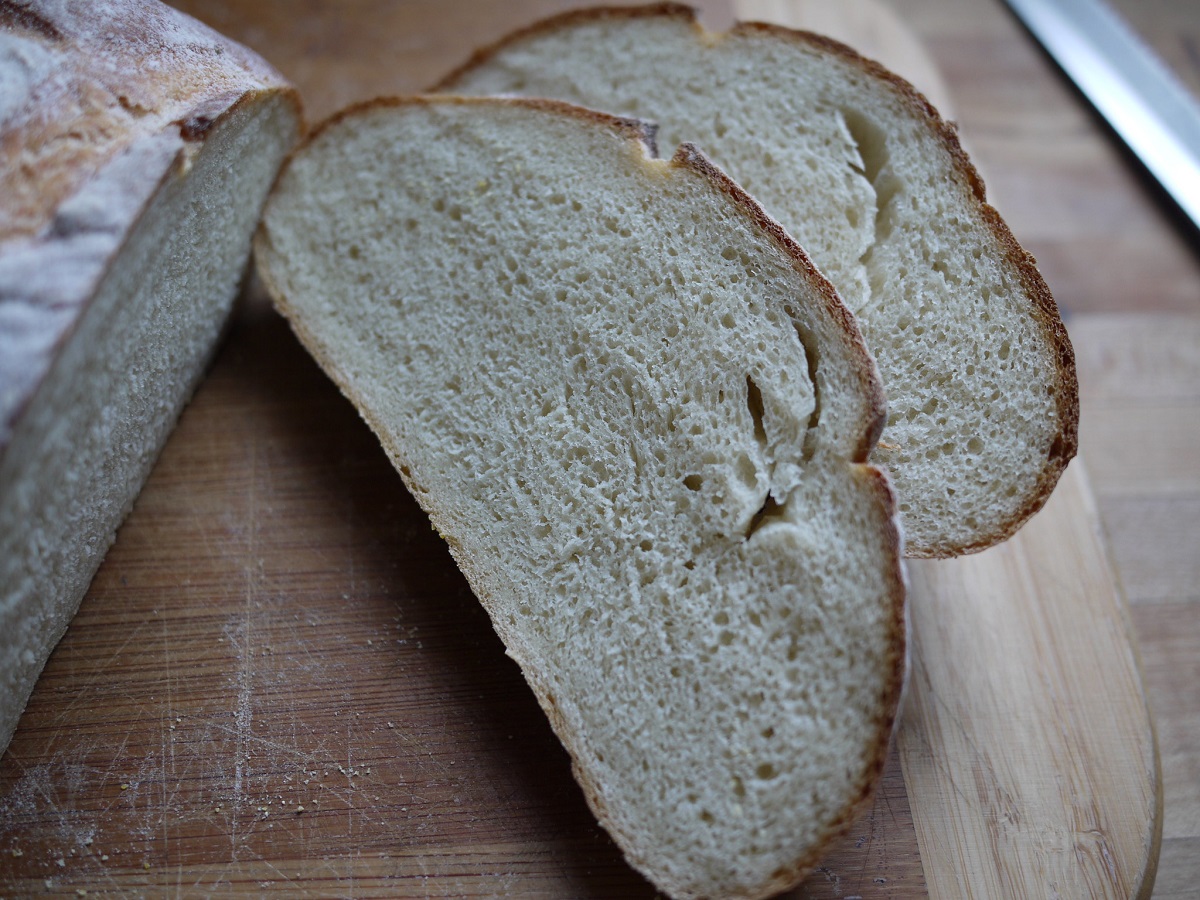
pixel 770 512
pixel 754 402
pixel 693 482
pixel 747 471
pixel 766 771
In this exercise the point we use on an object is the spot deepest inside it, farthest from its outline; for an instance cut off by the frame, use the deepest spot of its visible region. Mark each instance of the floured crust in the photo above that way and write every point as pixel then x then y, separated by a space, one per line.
pixel 640 136
pixel 101 104
pixel 86 79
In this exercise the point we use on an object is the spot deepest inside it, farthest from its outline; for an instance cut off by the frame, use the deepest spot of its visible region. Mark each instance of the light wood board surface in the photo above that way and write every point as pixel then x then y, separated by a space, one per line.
pixel 279 681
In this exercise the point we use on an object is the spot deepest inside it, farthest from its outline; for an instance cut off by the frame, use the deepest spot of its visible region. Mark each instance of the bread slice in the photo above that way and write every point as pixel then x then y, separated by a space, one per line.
pixel 136 149
pixel 860 169
pixel 637 414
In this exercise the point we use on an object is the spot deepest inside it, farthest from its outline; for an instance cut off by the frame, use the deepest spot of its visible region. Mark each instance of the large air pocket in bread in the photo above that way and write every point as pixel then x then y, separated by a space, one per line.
pixel 639 417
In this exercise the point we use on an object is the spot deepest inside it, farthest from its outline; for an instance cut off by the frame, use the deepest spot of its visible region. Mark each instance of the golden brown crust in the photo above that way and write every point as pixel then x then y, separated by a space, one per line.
pixel 634 129
pixel 553 23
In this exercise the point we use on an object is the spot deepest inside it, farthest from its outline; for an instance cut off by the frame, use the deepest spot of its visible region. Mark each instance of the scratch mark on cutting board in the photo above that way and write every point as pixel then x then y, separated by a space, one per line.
pixel 242 714
pixel 242 641
pixel 84 692
pixel 240 637
pixel 166 745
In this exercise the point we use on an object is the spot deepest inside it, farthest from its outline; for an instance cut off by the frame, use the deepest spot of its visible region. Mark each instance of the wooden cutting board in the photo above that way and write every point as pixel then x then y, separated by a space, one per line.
pixel 279 681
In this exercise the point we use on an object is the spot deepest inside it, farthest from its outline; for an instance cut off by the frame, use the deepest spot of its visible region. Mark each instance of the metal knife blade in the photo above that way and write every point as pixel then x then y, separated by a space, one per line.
pixel 1141 99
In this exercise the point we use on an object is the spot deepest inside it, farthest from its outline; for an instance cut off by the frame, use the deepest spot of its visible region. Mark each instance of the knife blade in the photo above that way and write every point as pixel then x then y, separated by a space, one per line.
pixel 1128 85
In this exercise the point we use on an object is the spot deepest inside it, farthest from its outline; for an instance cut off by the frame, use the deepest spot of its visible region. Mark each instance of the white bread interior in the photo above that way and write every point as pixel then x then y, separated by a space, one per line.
pixel 638 416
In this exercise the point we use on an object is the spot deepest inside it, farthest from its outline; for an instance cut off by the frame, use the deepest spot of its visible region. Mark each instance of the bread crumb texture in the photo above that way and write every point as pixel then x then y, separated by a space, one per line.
pixel 976 364
pixel 614 392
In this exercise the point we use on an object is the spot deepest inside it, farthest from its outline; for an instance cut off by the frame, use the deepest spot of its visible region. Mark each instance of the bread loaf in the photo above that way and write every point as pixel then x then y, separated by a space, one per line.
pixel 861 170
pixel 638 416
pixel 137 147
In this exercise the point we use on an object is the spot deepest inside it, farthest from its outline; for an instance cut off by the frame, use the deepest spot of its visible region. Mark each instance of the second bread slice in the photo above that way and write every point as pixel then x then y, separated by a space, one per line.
pixel 862 171
pixel 639 417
